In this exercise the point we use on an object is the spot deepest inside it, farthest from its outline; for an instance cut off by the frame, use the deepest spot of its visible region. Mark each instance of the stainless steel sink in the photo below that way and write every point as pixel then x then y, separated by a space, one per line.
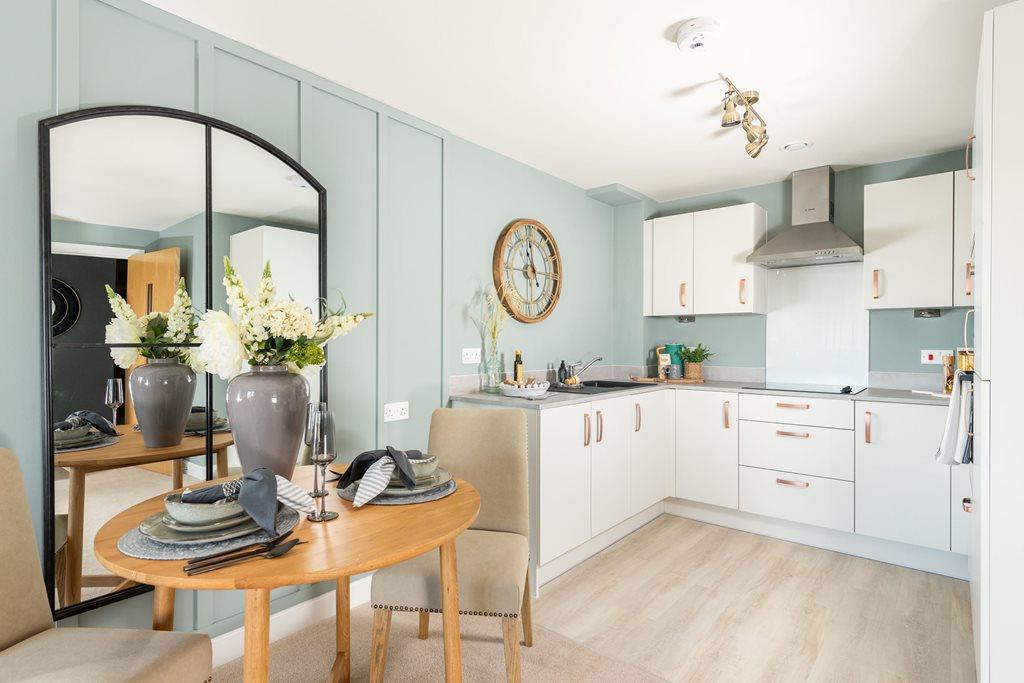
pixel 594 386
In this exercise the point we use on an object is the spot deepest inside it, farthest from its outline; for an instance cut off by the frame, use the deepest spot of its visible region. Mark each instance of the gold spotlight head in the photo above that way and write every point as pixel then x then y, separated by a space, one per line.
pixel 730 117
pixel 754 147
pixel 751 96
pixel 753 131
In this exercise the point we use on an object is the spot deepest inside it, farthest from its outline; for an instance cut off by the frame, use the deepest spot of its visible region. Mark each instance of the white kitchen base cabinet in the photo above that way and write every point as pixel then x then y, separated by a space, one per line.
pixel 707 447
pixel 565 479
pixel 797 497
pixel 902 493
pixel 609 462
pixel 651 449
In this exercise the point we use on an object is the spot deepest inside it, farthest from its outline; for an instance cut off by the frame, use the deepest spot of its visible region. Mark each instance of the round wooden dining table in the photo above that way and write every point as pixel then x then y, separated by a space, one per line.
pixel 359 540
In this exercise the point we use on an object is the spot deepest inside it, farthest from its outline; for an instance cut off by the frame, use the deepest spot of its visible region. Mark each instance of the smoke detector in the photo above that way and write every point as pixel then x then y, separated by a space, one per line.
pixel 697 34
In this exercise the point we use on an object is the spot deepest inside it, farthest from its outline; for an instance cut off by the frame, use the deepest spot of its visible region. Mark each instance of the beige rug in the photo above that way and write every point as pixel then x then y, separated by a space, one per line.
pixel 308 655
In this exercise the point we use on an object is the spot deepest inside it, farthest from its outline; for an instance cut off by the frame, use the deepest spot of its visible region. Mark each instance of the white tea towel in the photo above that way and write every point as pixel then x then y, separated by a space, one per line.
pixel 954 436
pixel 293 496
pixel 374 481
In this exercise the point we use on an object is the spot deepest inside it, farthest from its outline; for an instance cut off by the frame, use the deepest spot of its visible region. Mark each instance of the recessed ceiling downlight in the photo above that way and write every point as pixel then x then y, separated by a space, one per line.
pixel 697 34
pixel 796 146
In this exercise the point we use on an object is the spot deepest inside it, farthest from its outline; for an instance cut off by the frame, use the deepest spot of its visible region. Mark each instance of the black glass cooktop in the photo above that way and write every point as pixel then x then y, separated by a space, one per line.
pixel 807 388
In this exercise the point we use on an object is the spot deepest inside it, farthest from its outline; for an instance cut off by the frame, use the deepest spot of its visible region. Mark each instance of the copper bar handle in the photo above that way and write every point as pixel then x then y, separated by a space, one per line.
pixel 725 414
pixel 795 406
pixel 874 283
pixel 968 505
pixel 600 426
pixel 795 435
pixel 793 483
pixel 967 158
pixel 969 279
pixel 639 418
pixel 743 290
pixel 586 429
pixel 682 294
pixel 867 426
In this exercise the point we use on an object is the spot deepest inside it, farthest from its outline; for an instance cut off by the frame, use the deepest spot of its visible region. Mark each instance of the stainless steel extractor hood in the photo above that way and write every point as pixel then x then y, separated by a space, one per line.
pixel 812 240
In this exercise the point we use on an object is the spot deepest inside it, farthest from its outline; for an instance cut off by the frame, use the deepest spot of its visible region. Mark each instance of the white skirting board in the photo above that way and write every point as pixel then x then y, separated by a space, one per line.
pixel 230 645
pixel 890 552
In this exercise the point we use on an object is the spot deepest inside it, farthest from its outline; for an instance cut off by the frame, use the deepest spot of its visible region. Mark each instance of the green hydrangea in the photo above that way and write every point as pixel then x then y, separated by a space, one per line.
pixel 306 353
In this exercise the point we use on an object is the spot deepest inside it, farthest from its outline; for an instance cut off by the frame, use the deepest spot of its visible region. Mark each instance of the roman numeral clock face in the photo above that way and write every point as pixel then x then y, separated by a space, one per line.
pixel 527 270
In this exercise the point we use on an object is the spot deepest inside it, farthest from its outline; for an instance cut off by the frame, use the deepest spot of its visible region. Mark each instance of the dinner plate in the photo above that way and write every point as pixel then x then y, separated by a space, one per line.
pixel 440 477
pixel 153 527
pixel 228 523
pixel 80 441
pixel 101 442
pixel 73 434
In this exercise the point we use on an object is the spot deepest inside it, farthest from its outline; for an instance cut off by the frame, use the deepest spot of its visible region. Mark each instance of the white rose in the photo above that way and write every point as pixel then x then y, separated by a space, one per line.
pixel 121 331
pixel 221 350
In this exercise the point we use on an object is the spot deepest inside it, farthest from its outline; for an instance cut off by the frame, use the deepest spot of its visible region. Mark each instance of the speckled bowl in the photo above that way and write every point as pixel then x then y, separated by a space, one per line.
pixel 421 468
pixel 62 435
pixel 201 513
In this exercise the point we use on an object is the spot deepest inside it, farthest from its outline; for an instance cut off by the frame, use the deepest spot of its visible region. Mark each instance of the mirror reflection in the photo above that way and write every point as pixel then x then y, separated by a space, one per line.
pixel 128 197
pixel 263 212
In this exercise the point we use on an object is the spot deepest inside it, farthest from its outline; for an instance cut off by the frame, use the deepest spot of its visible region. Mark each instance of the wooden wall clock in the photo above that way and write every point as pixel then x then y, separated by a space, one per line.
pixel 527 270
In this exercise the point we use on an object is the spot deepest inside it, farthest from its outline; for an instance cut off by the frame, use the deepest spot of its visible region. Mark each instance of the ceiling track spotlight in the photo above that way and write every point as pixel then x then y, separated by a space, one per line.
pixel 753 124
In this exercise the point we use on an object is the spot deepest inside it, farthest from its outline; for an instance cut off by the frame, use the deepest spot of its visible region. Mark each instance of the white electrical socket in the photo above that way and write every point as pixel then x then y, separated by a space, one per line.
pixel 933 357
pixel 471 356
pixel 393 412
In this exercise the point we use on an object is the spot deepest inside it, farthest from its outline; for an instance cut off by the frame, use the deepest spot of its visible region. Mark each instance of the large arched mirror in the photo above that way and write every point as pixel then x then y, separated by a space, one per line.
pixel 141 199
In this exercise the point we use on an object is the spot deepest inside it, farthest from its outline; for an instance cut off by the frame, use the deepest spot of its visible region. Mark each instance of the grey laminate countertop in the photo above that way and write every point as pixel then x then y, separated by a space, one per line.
pixel 556 400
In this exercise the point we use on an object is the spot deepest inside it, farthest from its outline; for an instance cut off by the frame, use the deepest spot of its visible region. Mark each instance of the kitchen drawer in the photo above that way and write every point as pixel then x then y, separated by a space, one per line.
pixel 797 410
pixel 797 497
pixel 820 451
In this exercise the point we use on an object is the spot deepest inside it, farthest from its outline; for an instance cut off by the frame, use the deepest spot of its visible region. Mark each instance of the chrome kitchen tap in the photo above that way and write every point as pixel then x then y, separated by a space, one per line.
pixel 573 372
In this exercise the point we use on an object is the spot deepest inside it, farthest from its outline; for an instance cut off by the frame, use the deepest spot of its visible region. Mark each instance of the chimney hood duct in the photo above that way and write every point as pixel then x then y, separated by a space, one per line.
pixel 812 240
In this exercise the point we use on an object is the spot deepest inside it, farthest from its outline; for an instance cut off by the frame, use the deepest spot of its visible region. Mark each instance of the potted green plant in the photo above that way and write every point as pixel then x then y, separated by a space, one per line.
pixel 693 359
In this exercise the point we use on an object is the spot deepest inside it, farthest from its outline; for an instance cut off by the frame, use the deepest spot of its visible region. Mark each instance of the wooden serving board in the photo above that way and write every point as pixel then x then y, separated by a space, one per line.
pixel 655 380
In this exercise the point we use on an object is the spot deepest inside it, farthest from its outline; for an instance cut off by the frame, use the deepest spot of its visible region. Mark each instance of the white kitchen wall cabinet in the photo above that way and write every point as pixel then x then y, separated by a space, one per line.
pixel 651 449
pixel 566 435
pixel 908 243
pixel 707 447
pixel 722 240
pixel 902 494
pixel 609 461
pixel 963 241
pixel 672 265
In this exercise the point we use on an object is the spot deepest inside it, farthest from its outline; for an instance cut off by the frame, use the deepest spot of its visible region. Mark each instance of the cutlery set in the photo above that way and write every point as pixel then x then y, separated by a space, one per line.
pixel 271 549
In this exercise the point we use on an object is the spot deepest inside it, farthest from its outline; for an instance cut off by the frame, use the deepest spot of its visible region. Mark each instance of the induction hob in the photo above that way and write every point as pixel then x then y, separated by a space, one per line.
pixel 807 388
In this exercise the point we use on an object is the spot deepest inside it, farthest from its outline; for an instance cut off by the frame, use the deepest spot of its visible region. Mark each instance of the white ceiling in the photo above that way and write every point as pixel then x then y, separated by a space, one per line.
pixel 591 91
pixel 149 173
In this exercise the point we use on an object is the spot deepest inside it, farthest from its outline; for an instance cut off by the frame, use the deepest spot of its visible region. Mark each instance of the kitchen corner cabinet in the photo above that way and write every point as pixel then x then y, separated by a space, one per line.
pixel 917 241
pixel 707 447
pixel 651 449
pixel 902 494
pixel 695 263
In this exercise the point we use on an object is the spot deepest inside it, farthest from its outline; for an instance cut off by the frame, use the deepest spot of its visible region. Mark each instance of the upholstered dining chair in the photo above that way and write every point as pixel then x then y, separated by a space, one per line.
pixel 32 649
pixel 487 448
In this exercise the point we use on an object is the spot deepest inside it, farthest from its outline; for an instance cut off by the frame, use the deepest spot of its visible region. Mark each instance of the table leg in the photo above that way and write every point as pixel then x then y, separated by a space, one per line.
pixel 177 473
pixel 450 614
pixel 342 670
pixel 255 660
pixel 76 515
pixel 222 463
pixel 163 608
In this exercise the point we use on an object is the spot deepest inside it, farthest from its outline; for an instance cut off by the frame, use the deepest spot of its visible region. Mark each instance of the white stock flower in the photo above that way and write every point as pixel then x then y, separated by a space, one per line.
pixel 121 331
pixel 221 350
pixel 180 317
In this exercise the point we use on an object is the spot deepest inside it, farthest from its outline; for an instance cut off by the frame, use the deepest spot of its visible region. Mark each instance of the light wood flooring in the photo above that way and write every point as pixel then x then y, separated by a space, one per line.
pixel 689 601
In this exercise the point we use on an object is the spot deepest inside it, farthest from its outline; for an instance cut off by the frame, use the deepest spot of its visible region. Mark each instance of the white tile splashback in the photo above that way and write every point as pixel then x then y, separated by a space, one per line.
pixel 817 327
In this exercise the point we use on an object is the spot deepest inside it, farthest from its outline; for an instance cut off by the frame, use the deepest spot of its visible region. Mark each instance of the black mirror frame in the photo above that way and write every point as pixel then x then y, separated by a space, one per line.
pixel 209 123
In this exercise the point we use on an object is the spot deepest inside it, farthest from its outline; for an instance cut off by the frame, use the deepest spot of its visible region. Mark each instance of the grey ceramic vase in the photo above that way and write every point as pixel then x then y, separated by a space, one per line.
pixel 162 391
pixel 267 413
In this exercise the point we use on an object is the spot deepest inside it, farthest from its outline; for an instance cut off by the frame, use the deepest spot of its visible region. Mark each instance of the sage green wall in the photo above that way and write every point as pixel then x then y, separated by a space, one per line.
pixel 896 337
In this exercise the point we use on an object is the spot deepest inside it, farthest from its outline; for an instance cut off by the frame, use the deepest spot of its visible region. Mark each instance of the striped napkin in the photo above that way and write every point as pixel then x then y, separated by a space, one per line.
pixel 288 494
pixel 374 481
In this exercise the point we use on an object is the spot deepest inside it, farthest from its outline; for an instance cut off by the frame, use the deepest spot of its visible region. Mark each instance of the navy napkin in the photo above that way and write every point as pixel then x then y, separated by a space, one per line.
pixel 362 462
pixel 256 493
pixel 80 418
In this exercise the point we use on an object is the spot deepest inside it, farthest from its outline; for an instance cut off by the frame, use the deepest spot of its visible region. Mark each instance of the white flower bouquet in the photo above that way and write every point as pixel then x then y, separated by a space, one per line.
pixel 266 330
pixel 177 326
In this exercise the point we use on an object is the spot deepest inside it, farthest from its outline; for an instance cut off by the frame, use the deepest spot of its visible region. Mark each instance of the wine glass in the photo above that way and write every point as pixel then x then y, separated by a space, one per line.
pixel 323 454
pixel 114 397
pixel 313 412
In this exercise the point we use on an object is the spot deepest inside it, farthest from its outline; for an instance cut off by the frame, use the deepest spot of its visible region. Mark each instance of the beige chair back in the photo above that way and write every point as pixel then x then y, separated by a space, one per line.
pixel 487 448
pixel 22 592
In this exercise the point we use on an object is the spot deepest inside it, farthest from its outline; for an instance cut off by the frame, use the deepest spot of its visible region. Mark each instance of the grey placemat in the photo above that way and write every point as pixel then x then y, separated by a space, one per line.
pixel 134 544
pixel 349 494
pixel 88 447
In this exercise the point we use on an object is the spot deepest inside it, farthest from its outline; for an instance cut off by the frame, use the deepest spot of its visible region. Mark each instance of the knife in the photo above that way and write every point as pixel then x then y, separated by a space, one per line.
pixel 275 552
pixel 224 554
